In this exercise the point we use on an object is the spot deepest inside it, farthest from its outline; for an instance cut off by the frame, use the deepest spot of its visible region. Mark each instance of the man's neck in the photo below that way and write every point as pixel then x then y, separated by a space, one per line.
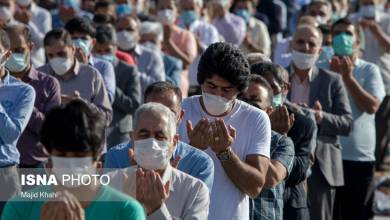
pixel 22 74
pixel 302 74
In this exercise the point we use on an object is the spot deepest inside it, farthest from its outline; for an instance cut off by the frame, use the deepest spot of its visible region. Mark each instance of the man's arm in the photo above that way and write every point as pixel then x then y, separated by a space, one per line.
pixel 53 99
pixel 339 120
pixel 14 122
pixel 129 99
pixel 248 176
pixel 281 160
pixel 100 98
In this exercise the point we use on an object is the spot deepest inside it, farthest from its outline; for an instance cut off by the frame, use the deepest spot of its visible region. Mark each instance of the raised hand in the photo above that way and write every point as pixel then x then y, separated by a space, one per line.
pixel 222 136
pixel 281 120
pixel 199 136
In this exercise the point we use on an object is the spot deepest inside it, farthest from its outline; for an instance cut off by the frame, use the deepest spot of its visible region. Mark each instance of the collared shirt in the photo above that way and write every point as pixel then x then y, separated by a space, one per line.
pixel 150 65
pixel 16 105
pixel 188 197
pixel 108 74
pixel 232 28
pixel 48 95
pixel 260 36
pixel 300 90
pixel 269 204
pixel 192 161
pixel 88 82
pixel 373 50
pixel 185 41
pixel 360 144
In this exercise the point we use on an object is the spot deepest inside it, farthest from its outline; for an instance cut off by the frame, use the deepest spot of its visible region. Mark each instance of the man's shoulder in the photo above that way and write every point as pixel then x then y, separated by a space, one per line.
pixel 193 153
pixel 118 149
pixel 187 183
pixel 328 75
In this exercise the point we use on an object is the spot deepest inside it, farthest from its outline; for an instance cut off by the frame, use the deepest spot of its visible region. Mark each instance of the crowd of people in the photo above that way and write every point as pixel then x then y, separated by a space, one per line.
pixel 194 109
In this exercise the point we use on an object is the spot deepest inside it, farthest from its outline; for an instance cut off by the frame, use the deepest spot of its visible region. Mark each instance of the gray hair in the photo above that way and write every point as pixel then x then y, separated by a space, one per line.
pixel 149 27
pixel 257 58
pixel 159 110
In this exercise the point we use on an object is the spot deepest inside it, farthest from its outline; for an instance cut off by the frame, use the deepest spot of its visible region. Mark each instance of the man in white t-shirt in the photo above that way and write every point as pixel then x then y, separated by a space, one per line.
pixel 235 134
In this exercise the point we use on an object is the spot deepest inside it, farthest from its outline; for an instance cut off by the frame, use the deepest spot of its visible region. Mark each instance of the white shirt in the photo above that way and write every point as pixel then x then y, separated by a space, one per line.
pixel 373 50
pixel 253 138
pixel 39 25
pixel 188 199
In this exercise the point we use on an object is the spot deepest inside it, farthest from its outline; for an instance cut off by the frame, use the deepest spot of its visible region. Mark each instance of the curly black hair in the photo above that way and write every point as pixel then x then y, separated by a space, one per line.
pixel 226 61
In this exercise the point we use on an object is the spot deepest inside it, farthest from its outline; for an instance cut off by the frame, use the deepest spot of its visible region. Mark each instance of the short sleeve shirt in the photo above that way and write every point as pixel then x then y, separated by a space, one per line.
pixel 253 138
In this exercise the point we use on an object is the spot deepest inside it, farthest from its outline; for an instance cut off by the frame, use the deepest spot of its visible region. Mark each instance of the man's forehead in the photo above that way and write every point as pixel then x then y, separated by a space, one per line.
pixel 307 32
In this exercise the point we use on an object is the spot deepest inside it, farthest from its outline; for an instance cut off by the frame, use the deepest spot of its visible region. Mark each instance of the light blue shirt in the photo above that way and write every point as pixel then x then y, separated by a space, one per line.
pixel 16 105
pixel 106 69
pixel 192 161
pixel 150 65
pixel 360 144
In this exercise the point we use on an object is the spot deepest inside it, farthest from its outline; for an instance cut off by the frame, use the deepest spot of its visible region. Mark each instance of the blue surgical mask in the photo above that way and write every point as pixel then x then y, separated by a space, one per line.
pixel 326 55
pixel 124 9
pixel 85 45
pixel 368 11
pixel 17 63
pixel 244 14
pixel 343 44
pixel 188 17
pixel 72 4
pixel 277 100
pixel 107 57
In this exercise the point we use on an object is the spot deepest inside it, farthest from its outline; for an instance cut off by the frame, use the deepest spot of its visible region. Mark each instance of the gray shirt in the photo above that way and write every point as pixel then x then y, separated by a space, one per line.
pixel 88 82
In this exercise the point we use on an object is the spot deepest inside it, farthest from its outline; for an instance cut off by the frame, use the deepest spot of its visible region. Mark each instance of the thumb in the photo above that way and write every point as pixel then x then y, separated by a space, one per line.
pixel 131 157
pixel 166 187
pixel 292 119
pixel 317 105
pixel 232 131
pixel 189 126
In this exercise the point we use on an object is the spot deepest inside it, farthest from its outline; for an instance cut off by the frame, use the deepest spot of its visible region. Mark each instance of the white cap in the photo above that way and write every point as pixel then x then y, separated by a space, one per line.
pixel 23 2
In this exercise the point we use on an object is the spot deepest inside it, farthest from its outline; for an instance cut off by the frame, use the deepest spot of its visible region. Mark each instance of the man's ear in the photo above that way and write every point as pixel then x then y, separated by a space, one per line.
pixel 7 54
pixel 93 42
pixel 181 114
pixel 176 140
pixel 269 110
pixel 31 46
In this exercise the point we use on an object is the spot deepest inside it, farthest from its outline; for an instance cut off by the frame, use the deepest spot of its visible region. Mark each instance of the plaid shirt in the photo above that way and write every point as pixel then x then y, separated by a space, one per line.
pixel 269 204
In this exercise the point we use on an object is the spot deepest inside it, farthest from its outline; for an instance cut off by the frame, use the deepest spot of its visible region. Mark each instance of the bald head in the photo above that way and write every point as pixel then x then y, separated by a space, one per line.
pixel 308 20
pixel 307 39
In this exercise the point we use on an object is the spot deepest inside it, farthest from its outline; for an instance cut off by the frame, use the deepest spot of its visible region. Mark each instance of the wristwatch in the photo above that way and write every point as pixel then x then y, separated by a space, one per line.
pixel 224 155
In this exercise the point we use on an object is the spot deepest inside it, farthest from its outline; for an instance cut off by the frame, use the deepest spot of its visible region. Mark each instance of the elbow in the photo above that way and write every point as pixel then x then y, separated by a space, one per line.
pixel 372 109
pixel 256 189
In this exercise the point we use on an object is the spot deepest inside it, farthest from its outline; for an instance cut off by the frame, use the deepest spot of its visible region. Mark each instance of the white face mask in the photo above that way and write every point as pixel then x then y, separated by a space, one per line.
pixel 72 166
pixel 126 40
pixel 321 20
pixel 166 16
pixel 368 11
pixel 151 154
pixel 216 105
pixel 17 63
pixel 60 65
pixel 303 61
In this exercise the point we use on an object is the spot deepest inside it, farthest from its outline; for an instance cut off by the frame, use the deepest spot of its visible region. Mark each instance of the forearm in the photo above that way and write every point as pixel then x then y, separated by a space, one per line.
pixel 365 101
pixel 36 121
pixel 247 178
pixel 383 38
pixel 274 174
pixel 170 45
